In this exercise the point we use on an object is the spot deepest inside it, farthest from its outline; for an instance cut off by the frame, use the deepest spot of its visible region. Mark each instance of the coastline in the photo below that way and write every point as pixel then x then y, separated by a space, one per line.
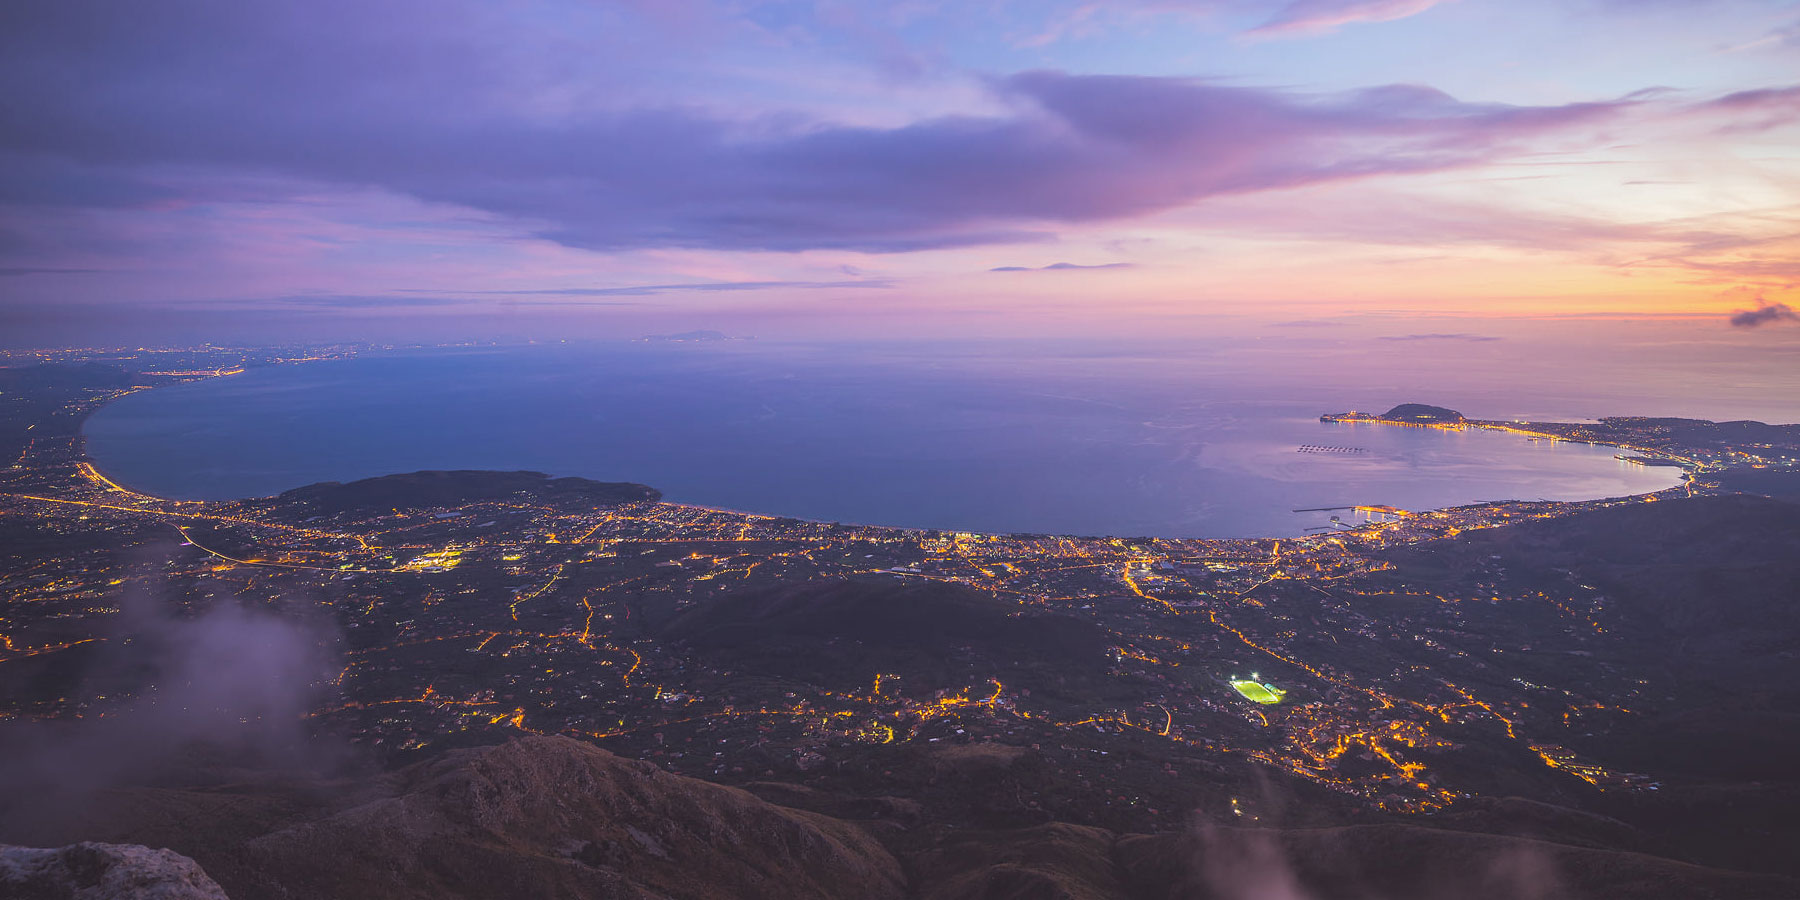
pixel 91 465
pixel 461 566
pixel 1689 467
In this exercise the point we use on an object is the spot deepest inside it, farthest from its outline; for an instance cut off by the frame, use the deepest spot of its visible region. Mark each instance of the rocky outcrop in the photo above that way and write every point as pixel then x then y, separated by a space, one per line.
pixel 554 817
pixel 90 871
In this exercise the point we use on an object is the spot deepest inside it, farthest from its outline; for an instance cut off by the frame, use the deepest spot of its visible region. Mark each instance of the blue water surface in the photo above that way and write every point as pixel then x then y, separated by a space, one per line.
pixel 1195 443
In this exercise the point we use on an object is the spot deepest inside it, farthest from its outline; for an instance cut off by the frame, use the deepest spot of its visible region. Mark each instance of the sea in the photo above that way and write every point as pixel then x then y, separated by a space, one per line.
pixel 1063 438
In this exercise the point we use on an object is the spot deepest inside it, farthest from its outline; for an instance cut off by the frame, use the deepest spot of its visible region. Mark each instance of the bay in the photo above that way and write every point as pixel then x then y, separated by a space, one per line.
pixel 1126 441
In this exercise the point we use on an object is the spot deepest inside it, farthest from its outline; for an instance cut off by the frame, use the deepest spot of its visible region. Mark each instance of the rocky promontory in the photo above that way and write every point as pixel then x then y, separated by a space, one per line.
pixel 93 871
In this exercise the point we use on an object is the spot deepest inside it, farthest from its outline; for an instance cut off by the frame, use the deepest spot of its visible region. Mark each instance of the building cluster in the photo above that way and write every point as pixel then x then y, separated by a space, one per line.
pixel 1311 655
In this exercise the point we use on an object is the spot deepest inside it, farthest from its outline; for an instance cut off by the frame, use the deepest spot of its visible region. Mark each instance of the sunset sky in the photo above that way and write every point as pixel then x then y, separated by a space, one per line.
pixel 981 167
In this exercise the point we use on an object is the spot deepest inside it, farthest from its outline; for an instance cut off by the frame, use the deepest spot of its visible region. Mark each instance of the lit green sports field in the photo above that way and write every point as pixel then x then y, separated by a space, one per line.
pixel 1258 692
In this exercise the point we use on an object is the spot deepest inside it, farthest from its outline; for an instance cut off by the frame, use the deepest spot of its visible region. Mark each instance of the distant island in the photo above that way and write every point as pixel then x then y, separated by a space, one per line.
pixel 686 337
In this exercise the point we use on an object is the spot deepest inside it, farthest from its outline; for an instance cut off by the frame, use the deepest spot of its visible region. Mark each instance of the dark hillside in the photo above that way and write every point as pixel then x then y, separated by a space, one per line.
pixel 1702 610
pixel 1696 572
pixel 553 817
pixel 1422 414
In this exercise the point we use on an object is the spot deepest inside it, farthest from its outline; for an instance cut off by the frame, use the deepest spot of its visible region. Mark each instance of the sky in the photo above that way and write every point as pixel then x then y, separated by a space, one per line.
pixel 440 169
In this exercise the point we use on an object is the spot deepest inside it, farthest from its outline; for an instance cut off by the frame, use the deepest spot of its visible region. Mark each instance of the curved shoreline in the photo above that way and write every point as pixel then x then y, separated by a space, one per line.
pixel 1688 468
pixel 1159 598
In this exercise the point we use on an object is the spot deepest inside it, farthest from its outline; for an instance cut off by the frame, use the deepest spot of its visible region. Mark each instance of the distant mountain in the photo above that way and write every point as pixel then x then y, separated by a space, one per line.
pixel 687 337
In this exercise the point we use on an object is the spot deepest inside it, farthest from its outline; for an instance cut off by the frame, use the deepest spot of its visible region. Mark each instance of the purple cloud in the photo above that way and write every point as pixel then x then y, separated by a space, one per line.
pixel 1318 16
pixel 21 271
pixel 702 287
pixel 1454 336
pixel 416 99
pixel 1757 110
pixel 1062 266
pixel 1765 313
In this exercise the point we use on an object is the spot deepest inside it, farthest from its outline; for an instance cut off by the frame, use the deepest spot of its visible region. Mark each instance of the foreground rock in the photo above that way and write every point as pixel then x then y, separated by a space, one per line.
pixel 90 871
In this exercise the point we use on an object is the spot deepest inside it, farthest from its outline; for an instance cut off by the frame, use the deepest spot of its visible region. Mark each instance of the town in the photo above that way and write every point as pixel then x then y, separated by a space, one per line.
pixel 463 607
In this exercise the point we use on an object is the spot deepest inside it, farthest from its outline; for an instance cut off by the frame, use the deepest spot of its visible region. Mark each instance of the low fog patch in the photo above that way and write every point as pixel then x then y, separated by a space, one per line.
pixel 174 691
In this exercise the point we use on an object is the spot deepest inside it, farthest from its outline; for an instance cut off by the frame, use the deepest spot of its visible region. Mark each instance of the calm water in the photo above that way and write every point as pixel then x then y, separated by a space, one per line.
pixel 1087 442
